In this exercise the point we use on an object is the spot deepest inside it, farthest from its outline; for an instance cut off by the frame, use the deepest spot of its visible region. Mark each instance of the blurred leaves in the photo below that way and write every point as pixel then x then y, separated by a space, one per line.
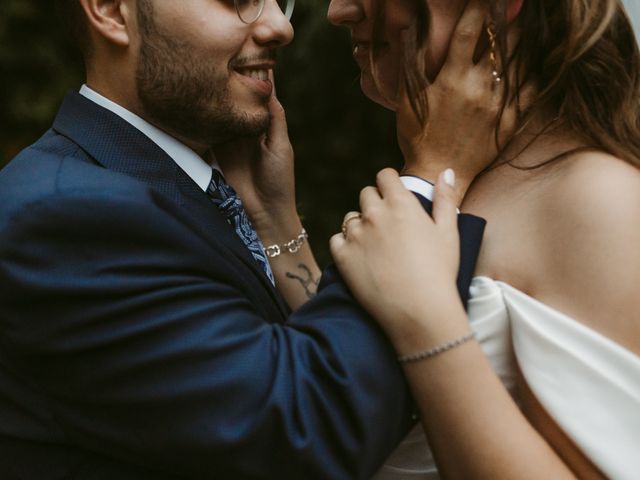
pixel 340 138
pixel 38 66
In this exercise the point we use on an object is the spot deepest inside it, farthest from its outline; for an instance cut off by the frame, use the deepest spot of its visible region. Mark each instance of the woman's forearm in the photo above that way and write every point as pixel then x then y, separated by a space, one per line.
pixel 473 425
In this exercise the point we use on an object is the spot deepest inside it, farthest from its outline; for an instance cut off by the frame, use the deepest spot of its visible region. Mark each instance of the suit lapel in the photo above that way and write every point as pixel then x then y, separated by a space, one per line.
pixel 116 145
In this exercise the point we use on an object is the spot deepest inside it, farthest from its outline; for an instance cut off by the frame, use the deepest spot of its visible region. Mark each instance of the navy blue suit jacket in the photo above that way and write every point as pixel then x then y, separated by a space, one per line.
pixel 139 339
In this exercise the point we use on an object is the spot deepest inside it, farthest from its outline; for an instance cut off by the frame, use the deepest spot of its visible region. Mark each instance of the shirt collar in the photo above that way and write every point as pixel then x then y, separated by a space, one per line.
pixel 188 160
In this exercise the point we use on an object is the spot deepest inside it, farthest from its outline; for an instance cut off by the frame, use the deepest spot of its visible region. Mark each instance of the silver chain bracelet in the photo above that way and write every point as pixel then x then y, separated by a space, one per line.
pixel 416 357
pixel 292 246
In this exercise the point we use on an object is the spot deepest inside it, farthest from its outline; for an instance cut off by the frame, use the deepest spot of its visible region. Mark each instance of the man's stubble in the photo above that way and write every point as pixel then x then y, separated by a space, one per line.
pixel 184 93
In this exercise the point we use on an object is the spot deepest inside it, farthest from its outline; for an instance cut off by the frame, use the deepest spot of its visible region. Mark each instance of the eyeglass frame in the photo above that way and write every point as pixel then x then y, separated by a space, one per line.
pixel 288 12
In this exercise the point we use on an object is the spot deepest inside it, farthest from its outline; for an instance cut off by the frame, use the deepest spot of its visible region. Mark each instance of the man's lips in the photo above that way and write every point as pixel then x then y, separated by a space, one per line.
pixel 257 71
pixel 256 76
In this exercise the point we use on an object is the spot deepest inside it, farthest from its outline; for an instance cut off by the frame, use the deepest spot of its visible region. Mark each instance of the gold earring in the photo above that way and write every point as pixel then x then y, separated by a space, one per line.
pixel 493 54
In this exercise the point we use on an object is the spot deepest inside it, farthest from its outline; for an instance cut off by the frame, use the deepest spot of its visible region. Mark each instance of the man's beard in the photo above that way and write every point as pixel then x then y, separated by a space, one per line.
pixel 183 93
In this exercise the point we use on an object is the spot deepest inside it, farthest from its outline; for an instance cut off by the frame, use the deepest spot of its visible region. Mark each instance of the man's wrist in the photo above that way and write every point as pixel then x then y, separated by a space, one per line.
pixel 277 229
pixel 289 247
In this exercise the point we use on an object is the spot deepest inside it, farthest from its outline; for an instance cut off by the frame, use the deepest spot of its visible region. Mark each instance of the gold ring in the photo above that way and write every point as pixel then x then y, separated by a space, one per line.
pixel 348 218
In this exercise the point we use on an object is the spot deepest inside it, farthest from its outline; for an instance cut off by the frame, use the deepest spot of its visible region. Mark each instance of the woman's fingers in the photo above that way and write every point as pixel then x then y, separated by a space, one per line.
pixel 389 184
pixel 445 210
pixel 352 222
pixel 370 197
pixel 278 124
pixel 278 131
pixel 272 79
pixel 466 35
pixel 336 246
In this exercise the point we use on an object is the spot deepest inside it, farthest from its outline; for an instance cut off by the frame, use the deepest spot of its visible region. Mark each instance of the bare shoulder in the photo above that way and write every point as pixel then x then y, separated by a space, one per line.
pixel 590 250
pixel 593 190
pixel 605 173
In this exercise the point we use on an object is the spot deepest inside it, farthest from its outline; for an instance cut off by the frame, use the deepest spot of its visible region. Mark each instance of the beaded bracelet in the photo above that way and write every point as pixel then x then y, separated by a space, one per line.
pixel 416 357
pixel 292 246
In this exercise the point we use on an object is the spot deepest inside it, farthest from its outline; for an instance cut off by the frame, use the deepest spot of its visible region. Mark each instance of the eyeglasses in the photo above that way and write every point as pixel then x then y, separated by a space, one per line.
pixel 250 10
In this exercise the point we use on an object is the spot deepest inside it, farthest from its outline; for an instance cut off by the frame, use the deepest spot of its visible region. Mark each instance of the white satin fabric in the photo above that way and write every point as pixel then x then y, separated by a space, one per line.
pixel 588 384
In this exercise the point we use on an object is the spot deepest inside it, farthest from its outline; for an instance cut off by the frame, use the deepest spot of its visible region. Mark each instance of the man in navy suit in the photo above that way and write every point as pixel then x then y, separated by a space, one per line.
pixel 142 334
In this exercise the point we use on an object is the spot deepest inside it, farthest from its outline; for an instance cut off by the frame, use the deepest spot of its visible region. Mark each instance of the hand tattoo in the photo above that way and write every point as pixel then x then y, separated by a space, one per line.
pixel 309 283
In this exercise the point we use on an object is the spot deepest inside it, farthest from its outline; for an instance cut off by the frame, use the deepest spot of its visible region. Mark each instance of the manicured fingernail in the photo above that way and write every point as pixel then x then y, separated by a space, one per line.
pixel 449 177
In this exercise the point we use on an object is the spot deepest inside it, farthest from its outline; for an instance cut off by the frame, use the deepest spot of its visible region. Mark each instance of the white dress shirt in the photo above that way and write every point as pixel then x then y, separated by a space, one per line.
pixel 188 160
pixel 418 185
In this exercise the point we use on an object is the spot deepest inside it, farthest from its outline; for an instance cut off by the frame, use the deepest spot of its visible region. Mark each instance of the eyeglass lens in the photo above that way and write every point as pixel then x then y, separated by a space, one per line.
pixel 250 10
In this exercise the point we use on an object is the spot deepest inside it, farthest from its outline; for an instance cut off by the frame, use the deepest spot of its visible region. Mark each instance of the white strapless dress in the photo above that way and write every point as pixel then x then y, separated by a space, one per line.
pixel 587 383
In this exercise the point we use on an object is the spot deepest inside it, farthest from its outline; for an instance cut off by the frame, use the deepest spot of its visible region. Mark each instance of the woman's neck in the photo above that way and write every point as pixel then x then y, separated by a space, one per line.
pixel 539 143
pixel 543 138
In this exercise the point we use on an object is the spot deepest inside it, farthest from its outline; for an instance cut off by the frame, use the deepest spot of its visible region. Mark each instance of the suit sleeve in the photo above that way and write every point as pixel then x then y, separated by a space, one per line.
pixel 149 349
pixel 471 229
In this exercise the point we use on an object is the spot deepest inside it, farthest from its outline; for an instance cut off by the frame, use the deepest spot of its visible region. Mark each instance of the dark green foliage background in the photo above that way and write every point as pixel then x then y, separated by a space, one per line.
pixel 340 138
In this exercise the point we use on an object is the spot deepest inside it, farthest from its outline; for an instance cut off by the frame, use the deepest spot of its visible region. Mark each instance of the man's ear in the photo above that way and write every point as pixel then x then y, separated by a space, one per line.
pixel 109 19
pixel 513 9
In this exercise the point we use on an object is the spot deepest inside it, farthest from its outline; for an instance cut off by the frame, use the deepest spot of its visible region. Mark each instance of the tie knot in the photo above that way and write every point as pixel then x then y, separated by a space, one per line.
pixel 224 196
pixel 219 190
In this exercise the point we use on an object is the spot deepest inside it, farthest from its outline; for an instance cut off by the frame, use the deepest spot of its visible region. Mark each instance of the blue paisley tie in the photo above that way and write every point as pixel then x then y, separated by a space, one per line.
pixel 230 205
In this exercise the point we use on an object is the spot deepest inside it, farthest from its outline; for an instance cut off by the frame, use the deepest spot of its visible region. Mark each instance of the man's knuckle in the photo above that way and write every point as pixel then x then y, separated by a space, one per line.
pixel 447 83
pixel 465 34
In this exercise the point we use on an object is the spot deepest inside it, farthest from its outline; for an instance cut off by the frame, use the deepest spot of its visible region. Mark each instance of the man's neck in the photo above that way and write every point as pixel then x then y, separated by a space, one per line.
pixel 197 147
pixel 187 159
pixel 131 103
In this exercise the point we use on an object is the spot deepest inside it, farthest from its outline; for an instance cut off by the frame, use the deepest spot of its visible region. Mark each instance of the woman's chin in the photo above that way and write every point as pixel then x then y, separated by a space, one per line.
pixel 372 92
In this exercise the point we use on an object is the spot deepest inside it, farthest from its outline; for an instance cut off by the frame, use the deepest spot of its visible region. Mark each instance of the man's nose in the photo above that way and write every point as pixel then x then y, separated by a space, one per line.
pixel 273 28
pixel 345 12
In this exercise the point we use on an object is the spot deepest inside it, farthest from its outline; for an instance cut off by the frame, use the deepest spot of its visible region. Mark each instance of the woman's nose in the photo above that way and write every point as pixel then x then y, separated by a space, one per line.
pixel 345 12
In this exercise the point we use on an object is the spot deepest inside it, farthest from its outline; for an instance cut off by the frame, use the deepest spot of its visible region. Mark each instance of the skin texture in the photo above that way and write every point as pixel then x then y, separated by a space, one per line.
pixel 542 226
pixel 193 87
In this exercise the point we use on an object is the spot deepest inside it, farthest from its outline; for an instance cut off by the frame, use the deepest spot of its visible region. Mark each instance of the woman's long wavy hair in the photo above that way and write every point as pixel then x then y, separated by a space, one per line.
pixel 582 56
